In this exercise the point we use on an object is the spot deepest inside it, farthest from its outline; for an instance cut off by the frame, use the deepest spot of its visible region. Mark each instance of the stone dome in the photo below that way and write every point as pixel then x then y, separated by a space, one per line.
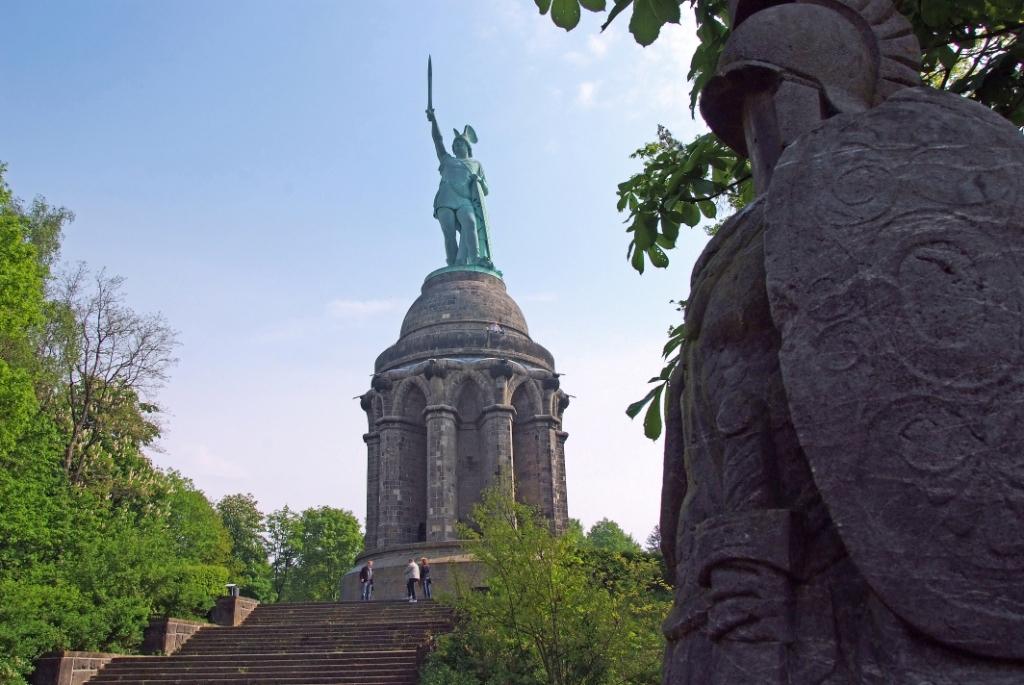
pixel 464 314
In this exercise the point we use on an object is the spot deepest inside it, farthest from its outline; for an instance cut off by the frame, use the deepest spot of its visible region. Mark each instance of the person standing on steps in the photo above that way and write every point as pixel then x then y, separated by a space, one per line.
pixel 425 577
pixel 366 581
pixel 412 576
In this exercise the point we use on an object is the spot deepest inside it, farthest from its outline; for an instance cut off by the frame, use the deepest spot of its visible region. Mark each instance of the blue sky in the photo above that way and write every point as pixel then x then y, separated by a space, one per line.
pixel 262 174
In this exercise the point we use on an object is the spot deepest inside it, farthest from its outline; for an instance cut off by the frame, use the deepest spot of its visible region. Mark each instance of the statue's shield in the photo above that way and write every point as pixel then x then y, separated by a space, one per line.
pixel 894 258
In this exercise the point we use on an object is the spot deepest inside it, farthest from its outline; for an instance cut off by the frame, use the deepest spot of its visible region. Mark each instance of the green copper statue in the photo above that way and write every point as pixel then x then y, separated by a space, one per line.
pixel 459 203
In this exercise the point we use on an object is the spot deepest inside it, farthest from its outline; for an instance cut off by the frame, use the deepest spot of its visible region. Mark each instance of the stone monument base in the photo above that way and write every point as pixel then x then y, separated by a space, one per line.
pixel 452 569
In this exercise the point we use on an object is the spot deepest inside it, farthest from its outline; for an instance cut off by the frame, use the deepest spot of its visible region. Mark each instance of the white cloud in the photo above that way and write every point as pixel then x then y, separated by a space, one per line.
pixel 199 461
pixel 585 94
pixel 597 48
pixel 598 43
pixel 343 308
pixel 577 58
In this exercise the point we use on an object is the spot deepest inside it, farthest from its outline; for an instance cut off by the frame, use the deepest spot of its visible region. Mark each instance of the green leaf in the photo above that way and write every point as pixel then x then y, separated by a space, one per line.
pixel 634 409
pixel 694 156
pixel 565 13
pixel 666 10
pixel 637 260
pixel 646 231
pixel 690 212
pixel 669 227
pixel 657 256
pixel 675 180
pixel 718 164
pixel 652 419
pixel 543 5
pixel 946 56
pixel 616 10
pixel 708 208
pixel 702 186
pixel 649 16
pixel 593 5
pixel 673 342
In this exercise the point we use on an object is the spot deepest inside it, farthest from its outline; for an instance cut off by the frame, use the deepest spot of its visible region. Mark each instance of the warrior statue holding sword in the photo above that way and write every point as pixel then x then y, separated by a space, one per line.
pixel 459 203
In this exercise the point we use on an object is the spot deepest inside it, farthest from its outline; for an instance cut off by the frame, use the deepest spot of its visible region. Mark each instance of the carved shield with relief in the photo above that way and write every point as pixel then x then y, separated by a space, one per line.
pixel 895 269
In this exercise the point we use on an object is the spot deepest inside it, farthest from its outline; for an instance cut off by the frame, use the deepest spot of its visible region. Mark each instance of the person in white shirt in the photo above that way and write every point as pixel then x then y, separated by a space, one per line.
pixel 412 576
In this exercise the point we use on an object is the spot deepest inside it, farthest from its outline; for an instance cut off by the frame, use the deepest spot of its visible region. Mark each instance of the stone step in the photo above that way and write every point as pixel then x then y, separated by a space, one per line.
pixel 273 649
pixel 338 628
pixel 289 660
pixel 322 631
pixel 341 618
pixel 303 645
pixel 359 679
pixel 369 643
pixel 327 639
pixel 226 672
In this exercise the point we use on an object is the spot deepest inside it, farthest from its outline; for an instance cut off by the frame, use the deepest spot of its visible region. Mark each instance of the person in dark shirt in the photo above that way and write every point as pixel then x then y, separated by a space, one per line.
pixel 425 577
pixel 366 581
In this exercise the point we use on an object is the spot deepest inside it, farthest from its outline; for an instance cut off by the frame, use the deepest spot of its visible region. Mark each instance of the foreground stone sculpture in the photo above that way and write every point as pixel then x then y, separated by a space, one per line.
pixel 844 466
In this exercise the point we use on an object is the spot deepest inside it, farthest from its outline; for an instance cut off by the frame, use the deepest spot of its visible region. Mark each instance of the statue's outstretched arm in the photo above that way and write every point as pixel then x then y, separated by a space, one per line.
pixel 435 133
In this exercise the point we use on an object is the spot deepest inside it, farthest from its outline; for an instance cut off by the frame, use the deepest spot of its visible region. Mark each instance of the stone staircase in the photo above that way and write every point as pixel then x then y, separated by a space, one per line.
pixel 370 643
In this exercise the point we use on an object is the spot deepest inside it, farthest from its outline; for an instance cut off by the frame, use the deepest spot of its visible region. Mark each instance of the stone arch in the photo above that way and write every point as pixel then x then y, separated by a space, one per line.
pixel 472 465
pixel 526 396
pixel 459 379
pixel 410 389
pixel 412 462
pixel 527 452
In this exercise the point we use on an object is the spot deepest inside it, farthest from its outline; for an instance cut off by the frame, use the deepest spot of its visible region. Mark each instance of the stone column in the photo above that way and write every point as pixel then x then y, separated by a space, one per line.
pixel 560 504
pixel 389 511
pixel 372 441
pixel 442 487
pixel 539 433
pixel 497 440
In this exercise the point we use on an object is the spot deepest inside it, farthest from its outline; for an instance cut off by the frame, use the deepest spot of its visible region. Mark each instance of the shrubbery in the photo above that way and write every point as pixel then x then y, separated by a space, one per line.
pixel 558 611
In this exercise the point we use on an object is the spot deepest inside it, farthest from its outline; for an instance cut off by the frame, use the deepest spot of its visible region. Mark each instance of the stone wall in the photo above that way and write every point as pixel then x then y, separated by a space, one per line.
pixel 231 611
pixel 167 635
pixel 444 430
pixel 69 668
pixel 451 565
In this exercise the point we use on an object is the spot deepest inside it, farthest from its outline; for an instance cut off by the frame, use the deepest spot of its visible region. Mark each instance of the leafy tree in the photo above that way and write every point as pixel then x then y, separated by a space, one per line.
pixel 550 614
pixel 608 535
pixel 284 542
pixel 245 526
pixel 87 553
pixel 970 47
pixel 22 289
pixel 110 356
pixel 652 545
pixel 195 526
pixel 329 540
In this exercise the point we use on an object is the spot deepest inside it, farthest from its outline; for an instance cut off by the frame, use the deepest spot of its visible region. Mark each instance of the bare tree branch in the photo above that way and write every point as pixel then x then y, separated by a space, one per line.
pixel 112 359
